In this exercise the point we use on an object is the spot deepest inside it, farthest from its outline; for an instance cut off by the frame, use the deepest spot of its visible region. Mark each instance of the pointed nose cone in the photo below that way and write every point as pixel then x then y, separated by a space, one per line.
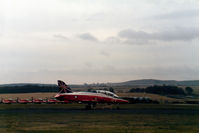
pixel 122 101
pixel 125 101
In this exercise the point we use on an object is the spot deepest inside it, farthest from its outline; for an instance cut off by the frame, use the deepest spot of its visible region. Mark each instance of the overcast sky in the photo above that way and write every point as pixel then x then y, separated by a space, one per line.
pixel 89 41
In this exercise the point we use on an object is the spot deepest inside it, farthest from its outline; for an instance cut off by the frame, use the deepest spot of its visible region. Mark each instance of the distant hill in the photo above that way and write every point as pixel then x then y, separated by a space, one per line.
pixel 149 82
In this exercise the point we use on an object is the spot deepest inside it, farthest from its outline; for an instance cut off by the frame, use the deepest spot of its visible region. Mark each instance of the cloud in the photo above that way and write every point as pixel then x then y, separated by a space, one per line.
pixel 60 36
pixel 113 73
pixel 181 34
pixel 179 14
pixel 87 36
pixel 113 40
pixel 96 16
pixel 176 34
pixel 106 54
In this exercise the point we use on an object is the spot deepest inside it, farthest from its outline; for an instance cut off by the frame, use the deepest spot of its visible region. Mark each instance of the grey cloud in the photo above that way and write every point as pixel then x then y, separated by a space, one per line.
pixel 177 34
pixel 60 36
pixel 179 14
pixel 106 54
pixel 183 34
pixel 134 34
pixel 136 41
pixel 168 72
pixel 103 74
pixel 113 40
pixel 87 36
pixel 88 65
pixel 175 72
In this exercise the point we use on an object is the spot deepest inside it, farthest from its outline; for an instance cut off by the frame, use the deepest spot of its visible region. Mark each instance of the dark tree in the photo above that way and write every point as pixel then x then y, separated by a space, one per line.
pixel 137 90
pixel 29 88
pixel 111 89
pixel 89 90
pixel 105 89
pixel 165 90
pixel 189 90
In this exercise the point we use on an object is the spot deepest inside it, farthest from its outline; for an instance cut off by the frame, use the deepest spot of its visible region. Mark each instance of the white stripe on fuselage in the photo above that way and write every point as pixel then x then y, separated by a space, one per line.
pixel 88 94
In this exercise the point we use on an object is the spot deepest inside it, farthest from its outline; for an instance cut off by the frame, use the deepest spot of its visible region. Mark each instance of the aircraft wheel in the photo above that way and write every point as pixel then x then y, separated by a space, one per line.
pixel 118 107
pixel 88 107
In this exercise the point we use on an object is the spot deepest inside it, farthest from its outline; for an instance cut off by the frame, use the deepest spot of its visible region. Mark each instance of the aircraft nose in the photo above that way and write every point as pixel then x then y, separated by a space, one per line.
pixel 124 101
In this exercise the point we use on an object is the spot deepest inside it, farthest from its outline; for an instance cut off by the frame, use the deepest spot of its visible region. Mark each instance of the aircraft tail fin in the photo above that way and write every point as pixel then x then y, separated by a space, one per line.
pixel 63 88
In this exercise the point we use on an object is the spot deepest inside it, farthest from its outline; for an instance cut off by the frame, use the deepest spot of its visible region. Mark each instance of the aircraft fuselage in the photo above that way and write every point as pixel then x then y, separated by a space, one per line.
pixel 88 97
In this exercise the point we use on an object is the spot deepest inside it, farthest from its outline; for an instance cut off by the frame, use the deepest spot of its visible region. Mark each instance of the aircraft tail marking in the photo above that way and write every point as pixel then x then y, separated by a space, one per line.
pixel 63 88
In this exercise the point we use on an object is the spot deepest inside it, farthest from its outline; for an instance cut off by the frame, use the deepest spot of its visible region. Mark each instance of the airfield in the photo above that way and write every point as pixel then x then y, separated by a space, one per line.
pixel 73 118
pixel 171 114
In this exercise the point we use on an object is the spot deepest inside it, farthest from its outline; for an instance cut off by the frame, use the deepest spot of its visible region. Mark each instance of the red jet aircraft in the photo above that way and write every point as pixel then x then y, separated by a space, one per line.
pixel 91 98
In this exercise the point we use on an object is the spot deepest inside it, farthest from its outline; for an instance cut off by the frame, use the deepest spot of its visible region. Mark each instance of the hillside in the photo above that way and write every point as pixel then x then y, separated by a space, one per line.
pixel 149 82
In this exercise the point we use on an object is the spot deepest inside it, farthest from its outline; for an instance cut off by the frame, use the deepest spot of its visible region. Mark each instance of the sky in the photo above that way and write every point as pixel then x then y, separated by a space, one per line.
pixel 96 41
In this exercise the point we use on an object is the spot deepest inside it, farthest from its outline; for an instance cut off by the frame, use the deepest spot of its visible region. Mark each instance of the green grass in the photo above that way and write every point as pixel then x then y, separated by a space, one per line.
pixel 136 118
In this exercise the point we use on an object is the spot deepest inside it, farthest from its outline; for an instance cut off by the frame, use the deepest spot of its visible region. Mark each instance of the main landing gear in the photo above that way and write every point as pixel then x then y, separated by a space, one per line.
pixel 90 106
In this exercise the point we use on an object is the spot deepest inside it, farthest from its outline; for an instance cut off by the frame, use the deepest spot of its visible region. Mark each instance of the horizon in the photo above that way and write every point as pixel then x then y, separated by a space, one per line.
pixel 98 82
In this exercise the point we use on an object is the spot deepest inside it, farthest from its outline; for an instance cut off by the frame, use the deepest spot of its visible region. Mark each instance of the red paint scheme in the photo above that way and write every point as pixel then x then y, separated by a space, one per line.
pixel 52 101
pixel 8 101
pixel 70 97
pixel 23 101
pixel 38 101
pixel 99 96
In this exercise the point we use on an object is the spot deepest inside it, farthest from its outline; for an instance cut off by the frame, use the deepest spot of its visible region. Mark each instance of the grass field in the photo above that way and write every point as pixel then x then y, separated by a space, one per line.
pixel 152 96
pixel 131 118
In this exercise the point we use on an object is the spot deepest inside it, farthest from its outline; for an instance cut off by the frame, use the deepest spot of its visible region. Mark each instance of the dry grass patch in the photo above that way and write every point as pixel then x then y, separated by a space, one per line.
pixel 27 95
pixel 152 96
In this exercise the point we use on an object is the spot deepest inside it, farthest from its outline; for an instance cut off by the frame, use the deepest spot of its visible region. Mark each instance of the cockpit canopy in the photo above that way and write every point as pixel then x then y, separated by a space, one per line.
pixel 108 93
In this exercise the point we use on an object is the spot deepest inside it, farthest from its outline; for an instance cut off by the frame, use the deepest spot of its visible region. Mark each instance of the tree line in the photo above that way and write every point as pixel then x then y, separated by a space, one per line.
pixel 28 88
pixel 164 90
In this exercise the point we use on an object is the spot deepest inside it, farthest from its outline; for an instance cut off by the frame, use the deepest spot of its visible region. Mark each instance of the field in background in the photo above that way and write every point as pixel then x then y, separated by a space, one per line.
pixel 195 89
pixel 152 96
pixel 27 95
pixel 72 118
